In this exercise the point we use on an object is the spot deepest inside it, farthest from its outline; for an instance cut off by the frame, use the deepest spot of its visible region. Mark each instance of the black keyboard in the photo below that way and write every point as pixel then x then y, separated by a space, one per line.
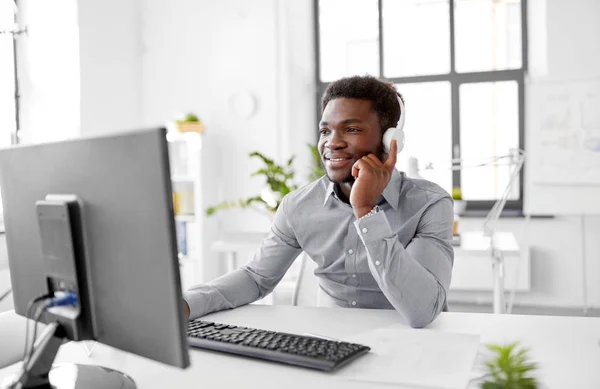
pixel 306 351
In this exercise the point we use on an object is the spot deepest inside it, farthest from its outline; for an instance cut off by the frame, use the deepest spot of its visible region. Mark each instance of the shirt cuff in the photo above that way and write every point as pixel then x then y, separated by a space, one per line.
pixel 374 227
pixel 194 300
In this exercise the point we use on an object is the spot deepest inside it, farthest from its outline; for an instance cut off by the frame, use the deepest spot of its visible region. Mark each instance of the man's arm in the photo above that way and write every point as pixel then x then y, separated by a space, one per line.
pixel 253 281
pixel 415 279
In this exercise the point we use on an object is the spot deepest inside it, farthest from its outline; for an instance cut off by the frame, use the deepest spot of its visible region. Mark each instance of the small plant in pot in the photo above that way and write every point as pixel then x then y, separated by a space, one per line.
pixel 509 367
pixel 190 123
pixel 460 205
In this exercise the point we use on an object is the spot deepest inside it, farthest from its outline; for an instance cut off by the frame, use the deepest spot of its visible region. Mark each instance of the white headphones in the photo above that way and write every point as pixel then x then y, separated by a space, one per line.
pixel 397 132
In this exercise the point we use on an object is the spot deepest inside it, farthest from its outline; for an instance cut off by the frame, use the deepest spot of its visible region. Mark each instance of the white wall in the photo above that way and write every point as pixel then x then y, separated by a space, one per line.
pixel 154 60
pixel 110 65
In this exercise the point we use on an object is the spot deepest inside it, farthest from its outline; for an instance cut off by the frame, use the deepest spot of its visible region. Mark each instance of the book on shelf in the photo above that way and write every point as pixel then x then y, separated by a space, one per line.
pixel 181 228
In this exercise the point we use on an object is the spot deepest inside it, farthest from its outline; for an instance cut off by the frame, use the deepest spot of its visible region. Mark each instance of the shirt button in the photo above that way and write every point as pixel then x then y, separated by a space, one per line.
pixel 365 230
pixel 353 302
pixel 350 251
pixel 377 263
pixel 353 275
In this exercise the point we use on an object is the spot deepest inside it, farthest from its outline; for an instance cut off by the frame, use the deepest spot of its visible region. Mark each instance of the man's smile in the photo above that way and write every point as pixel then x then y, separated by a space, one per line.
pixel 336 161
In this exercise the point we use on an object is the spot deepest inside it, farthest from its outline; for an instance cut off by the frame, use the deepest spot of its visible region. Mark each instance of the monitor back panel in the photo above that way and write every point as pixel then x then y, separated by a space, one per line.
pixel 124 182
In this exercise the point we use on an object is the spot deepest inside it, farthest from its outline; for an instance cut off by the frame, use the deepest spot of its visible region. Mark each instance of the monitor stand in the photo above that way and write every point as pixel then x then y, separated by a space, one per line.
pixel 40 374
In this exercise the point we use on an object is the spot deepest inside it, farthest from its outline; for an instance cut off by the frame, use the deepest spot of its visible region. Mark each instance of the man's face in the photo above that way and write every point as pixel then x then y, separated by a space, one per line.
pixel 349 130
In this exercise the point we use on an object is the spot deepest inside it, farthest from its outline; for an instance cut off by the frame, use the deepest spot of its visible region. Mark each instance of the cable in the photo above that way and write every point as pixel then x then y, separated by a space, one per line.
pixel 38 315
pixel 64 298
pixel 3 296
pixel 30 305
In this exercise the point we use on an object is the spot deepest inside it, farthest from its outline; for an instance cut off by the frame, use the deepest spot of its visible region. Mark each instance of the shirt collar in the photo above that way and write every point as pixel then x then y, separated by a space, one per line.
pixel 391 193
pixel 329 191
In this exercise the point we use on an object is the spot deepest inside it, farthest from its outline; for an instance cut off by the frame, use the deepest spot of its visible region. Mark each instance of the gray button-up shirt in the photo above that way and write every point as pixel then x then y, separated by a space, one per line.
pixel 398 258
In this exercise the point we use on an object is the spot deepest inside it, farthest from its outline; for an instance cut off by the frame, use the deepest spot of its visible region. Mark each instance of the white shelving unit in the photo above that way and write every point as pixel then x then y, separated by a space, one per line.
pixel 185 151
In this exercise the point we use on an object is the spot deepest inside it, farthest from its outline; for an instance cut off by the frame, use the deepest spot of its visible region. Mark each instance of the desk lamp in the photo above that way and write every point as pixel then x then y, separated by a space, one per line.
pixel 516 159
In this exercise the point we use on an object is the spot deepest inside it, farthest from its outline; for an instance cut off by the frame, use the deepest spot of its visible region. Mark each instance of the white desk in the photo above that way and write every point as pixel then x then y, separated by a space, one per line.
pixel 472 270
pixel 233 242
pixel 566 347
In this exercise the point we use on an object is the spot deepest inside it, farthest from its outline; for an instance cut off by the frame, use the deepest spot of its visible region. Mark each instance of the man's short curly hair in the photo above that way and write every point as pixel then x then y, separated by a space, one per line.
pixel 381 93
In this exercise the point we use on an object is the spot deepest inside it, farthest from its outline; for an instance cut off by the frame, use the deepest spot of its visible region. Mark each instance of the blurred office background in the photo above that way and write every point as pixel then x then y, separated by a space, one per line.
pixel 481 79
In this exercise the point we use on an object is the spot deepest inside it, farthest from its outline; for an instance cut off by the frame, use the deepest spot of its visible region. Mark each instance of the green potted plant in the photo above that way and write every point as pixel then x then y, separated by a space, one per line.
pixel 279 183
pixel 279 180
pixel 190 123
pixel 509 367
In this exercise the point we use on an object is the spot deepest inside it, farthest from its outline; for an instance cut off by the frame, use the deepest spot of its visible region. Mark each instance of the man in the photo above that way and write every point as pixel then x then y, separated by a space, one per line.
pixel 379 238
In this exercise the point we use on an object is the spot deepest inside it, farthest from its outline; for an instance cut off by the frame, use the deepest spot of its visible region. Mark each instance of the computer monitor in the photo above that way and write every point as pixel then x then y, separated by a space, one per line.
pixel 93 217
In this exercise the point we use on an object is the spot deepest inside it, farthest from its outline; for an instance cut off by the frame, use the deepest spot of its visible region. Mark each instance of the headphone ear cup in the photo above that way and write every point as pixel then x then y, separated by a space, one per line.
pixel 391 134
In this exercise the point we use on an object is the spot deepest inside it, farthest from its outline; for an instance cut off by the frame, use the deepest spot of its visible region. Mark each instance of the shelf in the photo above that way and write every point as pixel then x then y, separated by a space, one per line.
pixel 174 136
pixel 186 259
pixel 182 179
pixel 185 218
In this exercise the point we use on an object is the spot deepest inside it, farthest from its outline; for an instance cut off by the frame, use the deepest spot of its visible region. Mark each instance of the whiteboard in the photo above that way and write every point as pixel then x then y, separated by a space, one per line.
pixel 563 147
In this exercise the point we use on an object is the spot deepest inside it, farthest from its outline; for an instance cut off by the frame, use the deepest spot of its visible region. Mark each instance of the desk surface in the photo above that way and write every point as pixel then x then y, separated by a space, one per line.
pixel 567 348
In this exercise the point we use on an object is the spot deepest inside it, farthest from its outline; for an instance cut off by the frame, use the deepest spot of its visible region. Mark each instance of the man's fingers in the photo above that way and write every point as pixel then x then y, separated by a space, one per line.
pixel 372 161
pixel 375 161
pixel 355 169
pixel 392 156
pixel 361 164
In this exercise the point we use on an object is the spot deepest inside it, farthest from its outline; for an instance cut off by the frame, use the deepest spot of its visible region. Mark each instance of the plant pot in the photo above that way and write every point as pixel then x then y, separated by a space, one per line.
pixel 183 127
pixel 460 206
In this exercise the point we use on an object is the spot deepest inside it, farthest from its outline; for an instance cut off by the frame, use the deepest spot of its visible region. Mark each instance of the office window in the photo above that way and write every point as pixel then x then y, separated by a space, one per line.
pixel 50 55
pixel 349 38
pixel 8 108
pixel 460 66
pixel 429 119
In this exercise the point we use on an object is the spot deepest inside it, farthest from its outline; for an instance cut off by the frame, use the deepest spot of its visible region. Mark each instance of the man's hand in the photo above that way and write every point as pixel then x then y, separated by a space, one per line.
pixel 372 176
pixel 186 310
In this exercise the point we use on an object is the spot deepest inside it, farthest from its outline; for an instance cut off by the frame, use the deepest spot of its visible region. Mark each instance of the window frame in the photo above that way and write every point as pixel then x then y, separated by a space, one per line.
pixel 14 136
pixel 456 80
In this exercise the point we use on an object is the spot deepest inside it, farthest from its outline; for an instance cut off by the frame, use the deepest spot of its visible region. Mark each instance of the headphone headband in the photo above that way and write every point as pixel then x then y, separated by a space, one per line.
pixel 402 118
pixel 396 133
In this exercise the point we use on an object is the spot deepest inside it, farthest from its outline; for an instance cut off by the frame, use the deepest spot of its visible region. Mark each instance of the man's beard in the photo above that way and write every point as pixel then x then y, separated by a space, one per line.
pixel 349 179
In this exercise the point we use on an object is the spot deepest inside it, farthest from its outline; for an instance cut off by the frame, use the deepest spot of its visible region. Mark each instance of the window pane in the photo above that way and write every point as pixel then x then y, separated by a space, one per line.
pixel 489 127
pixel 416 37
pixel 349 38
pixel 488 35
pixel 51 57
pixel 7 76
pixel 428 130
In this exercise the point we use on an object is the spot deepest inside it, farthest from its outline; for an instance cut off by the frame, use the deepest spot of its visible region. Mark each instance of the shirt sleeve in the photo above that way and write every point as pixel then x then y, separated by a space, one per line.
pixel 415 279
pixel 254 280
